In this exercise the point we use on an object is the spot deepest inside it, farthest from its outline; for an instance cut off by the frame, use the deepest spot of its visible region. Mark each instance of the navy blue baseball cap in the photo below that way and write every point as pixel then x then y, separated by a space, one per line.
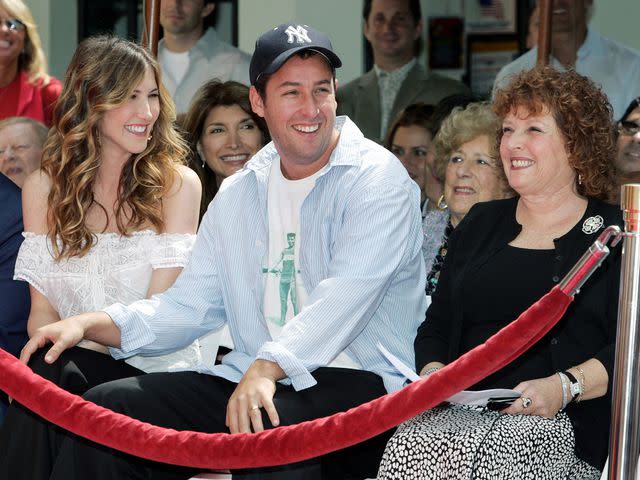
pixel 275 47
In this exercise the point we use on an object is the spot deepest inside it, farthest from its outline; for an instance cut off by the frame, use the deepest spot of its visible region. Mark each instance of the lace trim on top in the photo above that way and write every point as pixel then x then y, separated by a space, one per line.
pixel 116 269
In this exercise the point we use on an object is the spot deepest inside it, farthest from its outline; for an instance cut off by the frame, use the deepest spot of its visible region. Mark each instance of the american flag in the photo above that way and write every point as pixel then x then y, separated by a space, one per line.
pixel 492 9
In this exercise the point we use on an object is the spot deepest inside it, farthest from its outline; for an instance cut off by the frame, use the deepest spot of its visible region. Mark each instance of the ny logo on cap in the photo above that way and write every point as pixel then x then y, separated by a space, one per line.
pixel 299 32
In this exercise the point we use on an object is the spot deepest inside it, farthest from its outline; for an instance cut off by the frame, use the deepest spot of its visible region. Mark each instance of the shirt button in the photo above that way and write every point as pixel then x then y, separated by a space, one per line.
pixel 258 243
pixel 554 341
pixel 556 278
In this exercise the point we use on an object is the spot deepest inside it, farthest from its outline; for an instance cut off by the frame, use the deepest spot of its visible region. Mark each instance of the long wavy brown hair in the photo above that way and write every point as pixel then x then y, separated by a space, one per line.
pixel 102 75
pixel 583 115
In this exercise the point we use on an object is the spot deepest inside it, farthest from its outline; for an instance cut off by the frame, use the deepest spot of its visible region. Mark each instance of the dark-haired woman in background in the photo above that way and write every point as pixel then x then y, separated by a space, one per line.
pixel 223 133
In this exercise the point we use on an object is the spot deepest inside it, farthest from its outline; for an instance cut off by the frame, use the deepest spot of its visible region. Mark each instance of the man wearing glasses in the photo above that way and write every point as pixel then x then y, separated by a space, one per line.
pixel 627 161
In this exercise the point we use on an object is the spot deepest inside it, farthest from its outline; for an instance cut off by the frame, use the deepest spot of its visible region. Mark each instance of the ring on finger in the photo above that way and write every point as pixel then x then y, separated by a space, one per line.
pixel 526 402
pixel 254 407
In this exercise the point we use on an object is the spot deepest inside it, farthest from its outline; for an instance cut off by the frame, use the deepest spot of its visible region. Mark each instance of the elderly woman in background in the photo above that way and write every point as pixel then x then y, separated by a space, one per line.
pixel 467 157
pixel 223 133
pixel 25 88
pixel 556 148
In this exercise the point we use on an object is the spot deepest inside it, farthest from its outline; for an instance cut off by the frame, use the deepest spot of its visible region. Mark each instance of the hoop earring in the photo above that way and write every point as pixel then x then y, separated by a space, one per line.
pixel 442 205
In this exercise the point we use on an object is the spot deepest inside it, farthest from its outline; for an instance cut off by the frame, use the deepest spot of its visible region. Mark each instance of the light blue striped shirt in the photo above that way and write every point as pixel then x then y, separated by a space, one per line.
pixel 361 264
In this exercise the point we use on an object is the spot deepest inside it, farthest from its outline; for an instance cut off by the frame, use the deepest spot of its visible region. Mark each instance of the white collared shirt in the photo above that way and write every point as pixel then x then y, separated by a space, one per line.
pixel 209 58
pixel 389 84
pixel 360 261
pixel 611 65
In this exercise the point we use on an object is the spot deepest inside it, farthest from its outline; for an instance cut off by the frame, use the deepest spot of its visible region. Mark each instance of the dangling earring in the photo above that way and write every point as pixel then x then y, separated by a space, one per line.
pixel 579 179
pixel 199 150
pixel 442 205
pixel 149 138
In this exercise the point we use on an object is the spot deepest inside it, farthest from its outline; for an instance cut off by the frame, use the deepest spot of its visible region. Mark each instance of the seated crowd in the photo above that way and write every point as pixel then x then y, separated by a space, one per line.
pixel 314 244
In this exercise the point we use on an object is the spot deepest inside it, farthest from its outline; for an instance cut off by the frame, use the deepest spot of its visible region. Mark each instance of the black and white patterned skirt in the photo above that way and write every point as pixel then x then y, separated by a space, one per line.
pixel 457 442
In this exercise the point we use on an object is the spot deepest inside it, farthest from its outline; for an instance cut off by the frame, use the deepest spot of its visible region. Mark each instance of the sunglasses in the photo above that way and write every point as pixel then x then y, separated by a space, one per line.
pixel 12 24
pixel 628 128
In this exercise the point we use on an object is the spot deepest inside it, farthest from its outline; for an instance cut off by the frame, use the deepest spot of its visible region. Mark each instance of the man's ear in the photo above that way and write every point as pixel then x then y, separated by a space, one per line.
pixel 335 84
pixel 365 30
pixel 208 9
pixel 418 31
pixel 257 103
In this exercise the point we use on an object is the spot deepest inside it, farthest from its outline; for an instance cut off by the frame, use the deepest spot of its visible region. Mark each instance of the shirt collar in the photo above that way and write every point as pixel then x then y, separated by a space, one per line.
pixel 345 153
pixel 400 73
pixel 589 46
pixel 206 46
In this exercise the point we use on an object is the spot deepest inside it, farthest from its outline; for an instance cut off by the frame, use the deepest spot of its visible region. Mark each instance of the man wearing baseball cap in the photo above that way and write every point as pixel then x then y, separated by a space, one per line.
pixel 331 210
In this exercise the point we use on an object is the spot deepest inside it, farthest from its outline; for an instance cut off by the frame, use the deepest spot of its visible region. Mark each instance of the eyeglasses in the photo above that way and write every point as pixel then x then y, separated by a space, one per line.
pixel 628 128
pixel 13 24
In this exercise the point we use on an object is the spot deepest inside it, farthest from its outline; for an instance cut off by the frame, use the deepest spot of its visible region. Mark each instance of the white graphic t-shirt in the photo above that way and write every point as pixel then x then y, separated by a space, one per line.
pixel 284 294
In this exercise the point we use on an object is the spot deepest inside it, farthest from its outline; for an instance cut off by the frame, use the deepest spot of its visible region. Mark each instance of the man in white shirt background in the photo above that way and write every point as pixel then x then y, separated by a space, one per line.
pixel 191 54
pixel 613 66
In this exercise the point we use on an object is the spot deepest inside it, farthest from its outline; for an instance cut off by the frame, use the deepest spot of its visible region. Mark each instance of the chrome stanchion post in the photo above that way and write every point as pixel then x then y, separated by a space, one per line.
pixel 623 444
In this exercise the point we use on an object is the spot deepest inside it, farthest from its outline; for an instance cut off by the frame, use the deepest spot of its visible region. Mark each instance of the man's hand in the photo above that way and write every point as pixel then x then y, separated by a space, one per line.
pixel 255 391
pixel 67 333
pixel 63 334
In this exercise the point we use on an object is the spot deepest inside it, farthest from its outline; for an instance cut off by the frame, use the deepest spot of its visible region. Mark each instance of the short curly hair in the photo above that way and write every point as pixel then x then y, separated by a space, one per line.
pixel 583 115
pixel 462 126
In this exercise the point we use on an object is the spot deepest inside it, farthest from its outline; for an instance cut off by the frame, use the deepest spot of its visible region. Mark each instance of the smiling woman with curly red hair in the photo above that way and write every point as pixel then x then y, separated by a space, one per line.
pixel 556 146
pixel 582 115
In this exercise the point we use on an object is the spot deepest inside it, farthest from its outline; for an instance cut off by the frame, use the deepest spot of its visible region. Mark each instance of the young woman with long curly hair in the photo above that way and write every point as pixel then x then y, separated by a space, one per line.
pixel 111 217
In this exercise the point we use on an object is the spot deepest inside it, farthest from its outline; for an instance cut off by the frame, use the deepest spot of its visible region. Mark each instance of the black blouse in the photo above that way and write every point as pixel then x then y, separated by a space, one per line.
pixel 587 330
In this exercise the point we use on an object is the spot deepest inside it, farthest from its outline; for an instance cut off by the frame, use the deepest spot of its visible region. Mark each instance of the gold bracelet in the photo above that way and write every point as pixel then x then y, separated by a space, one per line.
pixel 582 383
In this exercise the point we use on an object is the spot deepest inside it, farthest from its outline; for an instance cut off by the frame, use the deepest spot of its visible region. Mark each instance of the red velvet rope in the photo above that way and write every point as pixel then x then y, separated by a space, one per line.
pixel 285 444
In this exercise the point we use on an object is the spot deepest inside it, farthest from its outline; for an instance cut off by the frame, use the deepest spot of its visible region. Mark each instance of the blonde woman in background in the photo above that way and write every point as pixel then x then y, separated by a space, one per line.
pixel 25 88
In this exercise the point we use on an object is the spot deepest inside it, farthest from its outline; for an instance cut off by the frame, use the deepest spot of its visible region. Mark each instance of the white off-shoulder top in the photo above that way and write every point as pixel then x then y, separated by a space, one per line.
pixel 116 269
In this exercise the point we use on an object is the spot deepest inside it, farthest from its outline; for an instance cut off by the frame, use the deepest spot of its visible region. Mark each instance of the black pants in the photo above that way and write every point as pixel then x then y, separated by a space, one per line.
pixel 192 401
pixel 29 444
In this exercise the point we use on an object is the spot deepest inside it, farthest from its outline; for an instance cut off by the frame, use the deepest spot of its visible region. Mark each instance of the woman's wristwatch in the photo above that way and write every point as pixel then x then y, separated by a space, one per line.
pixel 575 387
